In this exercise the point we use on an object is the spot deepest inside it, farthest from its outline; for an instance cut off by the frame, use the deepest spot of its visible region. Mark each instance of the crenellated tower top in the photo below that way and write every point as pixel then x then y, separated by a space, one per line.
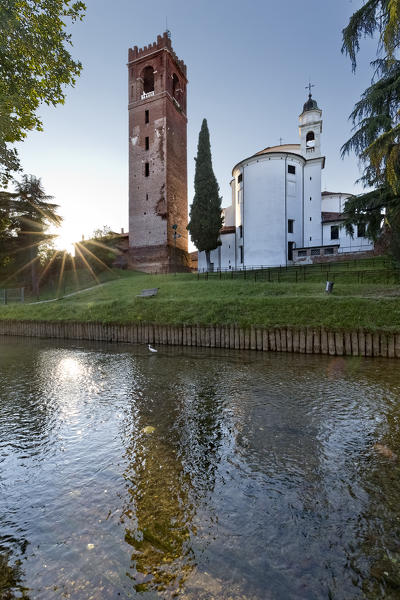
pixel 163 42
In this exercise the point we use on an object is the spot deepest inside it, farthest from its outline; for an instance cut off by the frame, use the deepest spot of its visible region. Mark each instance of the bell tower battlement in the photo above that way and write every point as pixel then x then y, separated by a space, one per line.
pixel 157 157
pixel 163 41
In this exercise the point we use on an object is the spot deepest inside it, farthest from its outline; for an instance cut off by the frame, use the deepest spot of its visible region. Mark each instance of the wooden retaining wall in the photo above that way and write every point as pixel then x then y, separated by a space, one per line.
pixel 286 339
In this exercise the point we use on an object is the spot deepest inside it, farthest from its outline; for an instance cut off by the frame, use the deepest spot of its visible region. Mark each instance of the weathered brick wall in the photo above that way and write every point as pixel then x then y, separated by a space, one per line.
pixel 159 200
pixel 147 195
pixel 177 176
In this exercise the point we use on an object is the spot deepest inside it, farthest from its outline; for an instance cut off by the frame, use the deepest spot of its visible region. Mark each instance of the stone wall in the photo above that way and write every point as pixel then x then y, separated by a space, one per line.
pixel 286 339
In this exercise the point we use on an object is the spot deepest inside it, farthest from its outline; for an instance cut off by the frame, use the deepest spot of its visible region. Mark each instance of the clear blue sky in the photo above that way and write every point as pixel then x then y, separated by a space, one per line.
pixel 248 65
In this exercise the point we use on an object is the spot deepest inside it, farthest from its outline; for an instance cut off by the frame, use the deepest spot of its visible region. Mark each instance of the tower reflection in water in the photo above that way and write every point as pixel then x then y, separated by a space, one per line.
pixel 171 462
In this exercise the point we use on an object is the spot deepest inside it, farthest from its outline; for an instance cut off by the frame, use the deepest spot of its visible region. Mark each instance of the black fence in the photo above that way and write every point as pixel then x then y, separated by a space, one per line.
pixel 309 273
pixel 375 262
pixel 8 295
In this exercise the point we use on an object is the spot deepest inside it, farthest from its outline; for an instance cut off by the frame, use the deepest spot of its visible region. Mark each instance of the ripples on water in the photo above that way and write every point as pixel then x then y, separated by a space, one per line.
pixel 197 474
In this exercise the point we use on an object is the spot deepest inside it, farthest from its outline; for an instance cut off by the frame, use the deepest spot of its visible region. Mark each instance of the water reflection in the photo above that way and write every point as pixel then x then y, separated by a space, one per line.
pixel 11 587
pixel 171 464
pixel 376 560
pixel 196 474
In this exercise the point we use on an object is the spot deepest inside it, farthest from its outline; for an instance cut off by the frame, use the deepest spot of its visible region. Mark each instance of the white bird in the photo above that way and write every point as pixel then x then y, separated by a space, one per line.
pixel 151 348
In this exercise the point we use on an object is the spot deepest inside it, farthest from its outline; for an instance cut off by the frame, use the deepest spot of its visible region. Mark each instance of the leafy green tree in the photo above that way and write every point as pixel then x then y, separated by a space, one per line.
pixel 376 131
pixel 34 214
pixel 103 233
pixel 35 65
pixel 205 213
pixel 8 230
pixel 100 251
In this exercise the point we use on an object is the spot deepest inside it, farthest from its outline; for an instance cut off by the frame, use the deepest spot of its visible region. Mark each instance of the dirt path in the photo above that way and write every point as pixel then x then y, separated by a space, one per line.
pixel 71 294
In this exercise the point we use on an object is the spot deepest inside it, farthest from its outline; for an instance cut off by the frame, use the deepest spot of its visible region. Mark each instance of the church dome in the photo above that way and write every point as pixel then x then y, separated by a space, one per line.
pixel 311 104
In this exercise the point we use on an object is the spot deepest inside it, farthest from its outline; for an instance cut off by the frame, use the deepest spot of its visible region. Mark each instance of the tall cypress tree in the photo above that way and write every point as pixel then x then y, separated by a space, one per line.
pixel 205 212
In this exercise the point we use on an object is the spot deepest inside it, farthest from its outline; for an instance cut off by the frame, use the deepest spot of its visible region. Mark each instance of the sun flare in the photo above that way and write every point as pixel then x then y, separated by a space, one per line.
pixel 69 368
pixel 66 240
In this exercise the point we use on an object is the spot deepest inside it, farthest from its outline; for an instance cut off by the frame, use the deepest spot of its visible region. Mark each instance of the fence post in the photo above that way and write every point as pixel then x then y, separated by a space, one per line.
pixel 22 294
pixel 5 295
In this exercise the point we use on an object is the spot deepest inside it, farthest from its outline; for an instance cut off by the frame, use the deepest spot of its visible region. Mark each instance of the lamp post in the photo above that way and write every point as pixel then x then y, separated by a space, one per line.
pixel 176 235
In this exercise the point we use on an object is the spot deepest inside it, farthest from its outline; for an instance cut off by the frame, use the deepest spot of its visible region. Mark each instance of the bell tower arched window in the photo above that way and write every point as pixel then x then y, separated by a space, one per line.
pixel 175 86
pixel 310 140
pixel 148 80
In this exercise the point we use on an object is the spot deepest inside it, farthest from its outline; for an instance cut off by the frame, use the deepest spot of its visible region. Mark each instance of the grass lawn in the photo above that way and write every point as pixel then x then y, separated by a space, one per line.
pixel 184 299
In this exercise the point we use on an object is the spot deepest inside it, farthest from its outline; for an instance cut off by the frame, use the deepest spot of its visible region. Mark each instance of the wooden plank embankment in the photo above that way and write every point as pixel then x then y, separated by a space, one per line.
pixel 288 339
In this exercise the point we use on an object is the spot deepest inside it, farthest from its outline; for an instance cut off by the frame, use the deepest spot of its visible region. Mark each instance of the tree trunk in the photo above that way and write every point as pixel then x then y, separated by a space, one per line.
pixel 208 260
pixel 34 275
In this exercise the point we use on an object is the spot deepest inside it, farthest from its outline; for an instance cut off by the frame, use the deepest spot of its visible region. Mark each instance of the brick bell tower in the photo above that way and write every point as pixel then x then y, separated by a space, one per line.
pixel 157 158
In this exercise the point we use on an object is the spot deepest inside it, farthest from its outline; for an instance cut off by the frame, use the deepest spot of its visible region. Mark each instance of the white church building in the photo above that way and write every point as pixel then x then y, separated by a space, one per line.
pixel 278 214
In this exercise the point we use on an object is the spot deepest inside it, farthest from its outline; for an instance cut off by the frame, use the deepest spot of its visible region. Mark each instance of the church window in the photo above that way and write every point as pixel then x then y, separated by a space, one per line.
pixel 310 178
pixel 147 196
pixel 310 218
pixel 310 238
pixel 315 251
pixel 146 169
pixel 290 250
pixel 361 230
pixel 240 178
pixel 241 231
pixel 146 116
pixel 290 225
pixel 334 232
pixel 146 143
pixel 148 80
pixel 310 198
pixel 310 139
pixel 328 251
pixel 291 169
pixel 241 254
pixel 302 253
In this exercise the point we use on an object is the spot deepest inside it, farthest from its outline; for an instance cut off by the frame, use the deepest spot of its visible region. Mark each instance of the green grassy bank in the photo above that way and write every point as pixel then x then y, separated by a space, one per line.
pixel 185 299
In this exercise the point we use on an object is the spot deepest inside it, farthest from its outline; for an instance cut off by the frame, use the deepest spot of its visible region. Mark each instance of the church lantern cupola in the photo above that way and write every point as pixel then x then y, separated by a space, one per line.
pixel 310 128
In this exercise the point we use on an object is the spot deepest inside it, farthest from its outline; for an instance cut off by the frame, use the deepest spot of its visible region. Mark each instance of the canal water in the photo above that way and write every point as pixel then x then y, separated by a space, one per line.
pixel 198 474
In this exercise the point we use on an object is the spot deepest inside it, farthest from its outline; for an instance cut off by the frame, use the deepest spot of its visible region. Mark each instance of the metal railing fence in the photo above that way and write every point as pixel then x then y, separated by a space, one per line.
pixel 376 262
pixel 299 275
pixel 8 295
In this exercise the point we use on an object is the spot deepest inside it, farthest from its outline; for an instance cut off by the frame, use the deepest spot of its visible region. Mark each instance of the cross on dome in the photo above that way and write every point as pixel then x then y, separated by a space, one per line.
pixel 309 86
pixel 310 104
